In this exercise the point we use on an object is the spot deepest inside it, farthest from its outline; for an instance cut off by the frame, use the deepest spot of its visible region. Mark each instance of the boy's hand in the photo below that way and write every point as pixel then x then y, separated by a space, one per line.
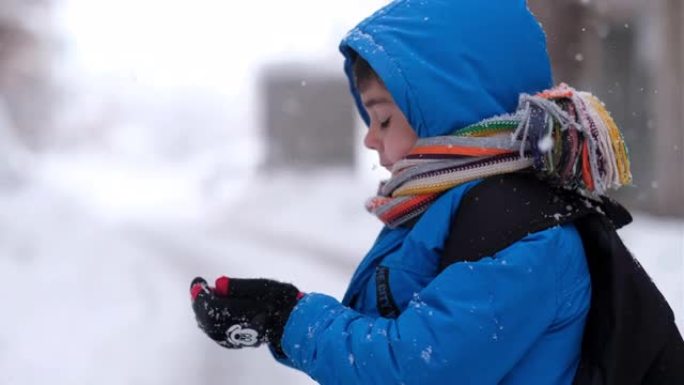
pixel 243 312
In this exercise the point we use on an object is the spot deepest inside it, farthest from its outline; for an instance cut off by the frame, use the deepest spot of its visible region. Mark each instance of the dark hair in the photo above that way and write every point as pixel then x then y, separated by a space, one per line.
pixel 364 73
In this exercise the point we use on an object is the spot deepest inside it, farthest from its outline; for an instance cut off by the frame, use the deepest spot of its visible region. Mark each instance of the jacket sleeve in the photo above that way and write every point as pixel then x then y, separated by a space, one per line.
pixel 471 324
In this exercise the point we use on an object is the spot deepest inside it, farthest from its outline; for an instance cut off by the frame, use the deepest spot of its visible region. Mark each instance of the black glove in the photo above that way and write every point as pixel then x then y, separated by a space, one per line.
pixel 243 312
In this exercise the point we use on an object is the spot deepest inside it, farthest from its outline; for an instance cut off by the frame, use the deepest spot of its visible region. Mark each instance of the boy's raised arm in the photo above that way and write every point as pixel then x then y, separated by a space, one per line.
pixel 472 323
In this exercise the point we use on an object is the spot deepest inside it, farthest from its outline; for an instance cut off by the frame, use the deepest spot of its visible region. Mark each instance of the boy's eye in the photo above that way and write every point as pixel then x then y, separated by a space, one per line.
pixel 385 123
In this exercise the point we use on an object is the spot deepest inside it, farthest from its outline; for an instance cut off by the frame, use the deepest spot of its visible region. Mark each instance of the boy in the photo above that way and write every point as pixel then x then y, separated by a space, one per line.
pixel 433 81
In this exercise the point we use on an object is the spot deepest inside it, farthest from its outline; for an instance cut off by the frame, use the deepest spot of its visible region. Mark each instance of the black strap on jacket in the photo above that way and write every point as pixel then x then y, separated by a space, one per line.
pixel 630 336
pixel 501 210
pixel 383 294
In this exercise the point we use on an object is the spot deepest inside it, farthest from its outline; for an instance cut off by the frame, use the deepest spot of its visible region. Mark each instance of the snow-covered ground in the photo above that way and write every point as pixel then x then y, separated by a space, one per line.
pixel 96 287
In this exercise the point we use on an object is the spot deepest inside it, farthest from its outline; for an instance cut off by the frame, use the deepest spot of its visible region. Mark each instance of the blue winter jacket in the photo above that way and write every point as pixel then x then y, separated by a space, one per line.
pixel 516 317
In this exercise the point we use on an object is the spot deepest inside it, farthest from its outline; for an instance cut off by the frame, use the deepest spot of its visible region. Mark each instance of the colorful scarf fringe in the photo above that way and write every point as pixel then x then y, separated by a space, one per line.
pixel 567 137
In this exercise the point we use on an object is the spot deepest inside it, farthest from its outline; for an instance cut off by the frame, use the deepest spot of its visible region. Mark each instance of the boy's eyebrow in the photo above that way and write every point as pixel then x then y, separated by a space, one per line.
pixel 374 101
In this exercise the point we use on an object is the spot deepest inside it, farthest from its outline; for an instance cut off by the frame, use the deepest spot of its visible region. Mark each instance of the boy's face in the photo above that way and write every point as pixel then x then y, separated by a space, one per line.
pixel 389 133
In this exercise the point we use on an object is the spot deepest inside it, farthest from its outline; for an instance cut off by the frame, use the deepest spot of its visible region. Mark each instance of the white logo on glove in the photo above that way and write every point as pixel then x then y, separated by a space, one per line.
pixel 242 337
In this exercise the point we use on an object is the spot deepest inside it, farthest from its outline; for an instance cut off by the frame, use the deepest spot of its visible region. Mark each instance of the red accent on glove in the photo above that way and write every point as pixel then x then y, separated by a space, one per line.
pixel 195 290
pixel 300 295
pixel 223 286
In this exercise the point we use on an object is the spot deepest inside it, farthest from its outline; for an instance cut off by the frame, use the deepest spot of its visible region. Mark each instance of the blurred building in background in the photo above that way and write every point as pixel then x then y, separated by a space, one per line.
pixel 308 118
pixel 630 53
pixel 28 48
pixel 28 96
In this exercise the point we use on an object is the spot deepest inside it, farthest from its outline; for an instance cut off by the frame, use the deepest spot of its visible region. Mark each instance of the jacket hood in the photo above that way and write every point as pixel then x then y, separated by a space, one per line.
pixel 451 63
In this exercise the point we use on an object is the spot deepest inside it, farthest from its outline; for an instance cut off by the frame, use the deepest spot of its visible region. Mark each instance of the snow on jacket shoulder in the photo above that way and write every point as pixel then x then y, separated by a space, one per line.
pixel 516 317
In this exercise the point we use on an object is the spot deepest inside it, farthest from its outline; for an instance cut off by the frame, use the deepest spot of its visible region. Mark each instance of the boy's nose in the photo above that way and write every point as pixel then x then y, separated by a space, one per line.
pixel 371 140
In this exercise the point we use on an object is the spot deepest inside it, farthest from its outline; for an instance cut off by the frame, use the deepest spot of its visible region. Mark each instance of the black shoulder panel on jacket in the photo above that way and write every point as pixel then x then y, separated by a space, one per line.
pixel 504 209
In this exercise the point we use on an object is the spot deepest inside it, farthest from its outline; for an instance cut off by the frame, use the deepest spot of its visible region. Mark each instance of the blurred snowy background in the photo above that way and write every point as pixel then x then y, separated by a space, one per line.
pixel 145 142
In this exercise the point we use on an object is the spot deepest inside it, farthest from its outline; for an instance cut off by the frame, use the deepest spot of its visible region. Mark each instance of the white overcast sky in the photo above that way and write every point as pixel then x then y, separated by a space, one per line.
pixel 201 42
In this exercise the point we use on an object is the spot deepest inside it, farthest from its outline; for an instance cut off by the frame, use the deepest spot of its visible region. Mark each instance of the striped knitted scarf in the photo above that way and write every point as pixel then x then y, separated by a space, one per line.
pixel 565 136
